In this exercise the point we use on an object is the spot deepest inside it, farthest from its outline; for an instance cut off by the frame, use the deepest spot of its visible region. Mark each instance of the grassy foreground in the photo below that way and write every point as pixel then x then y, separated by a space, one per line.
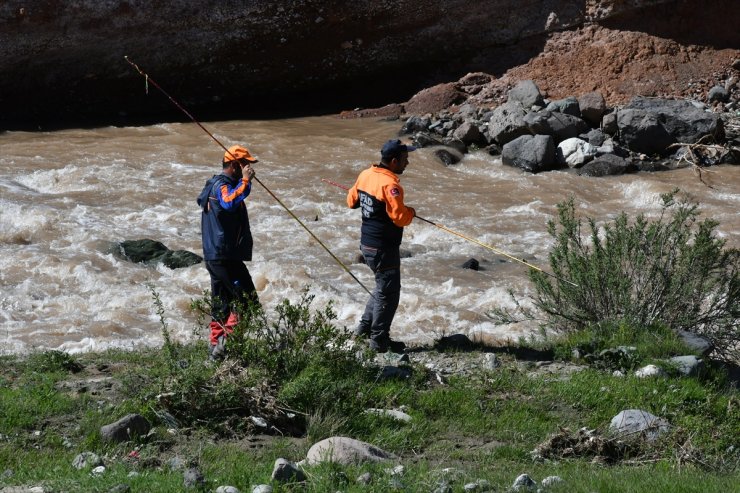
pixel 482 425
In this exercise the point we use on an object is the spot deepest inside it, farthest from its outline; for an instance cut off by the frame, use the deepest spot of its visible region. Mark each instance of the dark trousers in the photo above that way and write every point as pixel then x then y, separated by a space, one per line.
pixel 230 282
pixel 381 307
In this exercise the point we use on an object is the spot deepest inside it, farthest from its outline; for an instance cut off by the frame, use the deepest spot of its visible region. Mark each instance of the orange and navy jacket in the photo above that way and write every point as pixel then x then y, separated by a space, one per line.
pixel 224 219
pixel 378 193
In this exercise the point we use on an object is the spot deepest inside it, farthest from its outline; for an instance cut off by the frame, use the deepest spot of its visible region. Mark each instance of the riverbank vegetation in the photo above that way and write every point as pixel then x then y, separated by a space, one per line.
pixel 293 378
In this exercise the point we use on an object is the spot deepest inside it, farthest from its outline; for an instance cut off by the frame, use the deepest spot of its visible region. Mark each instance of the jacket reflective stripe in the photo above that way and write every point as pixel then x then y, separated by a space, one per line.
pixel 231 197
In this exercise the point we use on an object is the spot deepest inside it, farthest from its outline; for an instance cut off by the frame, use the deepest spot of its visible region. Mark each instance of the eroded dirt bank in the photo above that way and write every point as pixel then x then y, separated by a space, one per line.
pixel 63 60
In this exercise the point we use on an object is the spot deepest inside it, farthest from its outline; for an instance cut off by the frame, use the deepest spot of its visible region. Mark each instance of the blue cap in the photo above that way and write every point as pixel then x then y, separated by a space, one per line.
pixel 394 148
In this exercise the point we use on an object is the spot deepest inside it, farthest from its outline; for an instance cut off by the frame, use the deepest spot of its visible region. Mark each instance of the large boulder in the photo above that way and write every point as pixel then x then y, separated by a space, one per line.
pixel 527 93
pixel 650 125
pixel 151 252
pixel 607 165
pixel 533 153
pixel 507 123
pixel 592 106
pixel 560 125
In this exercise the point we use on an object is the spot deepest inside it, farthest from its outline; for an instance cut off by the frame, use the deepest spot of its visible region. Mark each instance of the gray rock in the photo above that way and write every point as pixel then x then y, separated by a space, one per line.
pixel 478 485
pixel 560 125
pixel 637 421
pixel 468 133
pixel 391 371
pixel 286 471
pixel 524 483
pixel 592 106
pixel 98 471
pixel 718 94
pixel 530 153
pixel 456 144
pixel 551 481
pixel 606 165
pixel 650 125
pixel 609 124
pixel 86 460
pixel 344 450
pixel 23 489
pixel 262 488
pixel 696 342
pixel 193 478
pixel 364 478
pixel 126 428
pixel 507 123
pixel 527 93
pixel 448 156
pixel 569 106
pixel 227 489
pixel 491 361
pixel 423 139
pixel 415 124
pixel 151 252
pixel 595 137
pixel 690 365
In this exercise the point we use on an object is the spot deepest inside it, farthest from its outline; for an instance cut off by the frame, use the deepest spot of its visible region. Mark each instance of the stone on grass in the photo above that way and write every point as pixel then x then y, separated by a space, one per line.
pixel 227 489
pixel 690 365
pixel 98 471
pixel 262 488
pixel 127 428
pixel 524 483
pixel 390 413
pixel 23 489
pixel 650 371
pixel 637 421
pixel 365 478
pixel 551 481
pixel 345 450
pixel 193 478
pixel 696 342
pixel 286 471
pixel 87 459
pixel 491 361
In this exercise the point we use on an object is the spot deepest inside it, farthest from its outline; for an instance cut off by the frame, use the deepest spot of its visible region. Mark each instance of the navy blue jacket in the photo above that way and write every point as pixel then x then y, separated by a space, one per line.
pixel 224 220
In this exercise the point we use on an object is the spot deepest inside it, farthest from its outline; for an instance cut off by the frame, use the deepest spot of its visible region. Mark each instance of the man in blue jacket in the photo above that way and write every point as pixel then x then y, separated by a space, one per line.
pixel 227 243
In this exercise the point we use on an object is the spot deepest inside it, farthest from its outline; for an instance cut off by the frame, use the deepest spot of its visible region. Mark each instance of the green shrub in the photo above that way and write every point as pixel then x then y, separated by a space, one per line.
pixel 284 347
pixel 672 271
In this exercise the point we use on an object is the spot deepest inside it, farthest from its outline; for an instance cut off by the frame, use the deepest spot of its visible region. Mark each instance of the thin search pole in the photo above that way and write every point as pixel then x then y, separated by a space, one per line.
pixel 472 240
pixel 149 80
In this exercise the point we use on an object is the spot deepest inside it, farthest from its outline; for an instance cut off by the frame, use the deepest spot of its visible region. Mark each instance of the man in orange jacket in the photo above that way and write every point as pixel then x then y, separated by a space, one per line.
pixel 378 194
